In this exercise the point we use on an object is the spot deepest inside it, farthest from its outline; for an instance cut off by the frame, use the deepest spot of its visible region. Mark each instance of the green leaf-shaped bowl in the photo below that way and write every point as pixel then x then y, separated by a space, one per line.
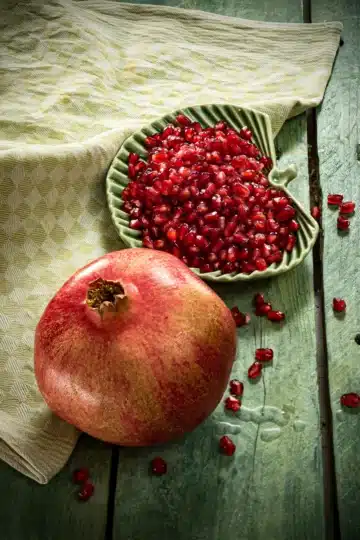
pixel 209 115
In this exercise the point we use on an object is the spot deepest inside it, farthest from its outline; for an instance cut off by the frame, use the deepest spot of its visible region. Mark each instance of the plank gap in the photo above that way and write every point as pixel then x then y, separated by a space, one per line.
pixel 331 508
pixel 114 464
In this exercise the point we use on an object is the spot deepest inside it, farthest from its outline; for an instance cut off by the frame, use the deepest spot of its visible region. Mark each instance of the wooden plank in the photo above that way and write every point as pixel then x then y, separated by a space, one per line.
pixel 338 137
pixel 52 512
pixel 272 488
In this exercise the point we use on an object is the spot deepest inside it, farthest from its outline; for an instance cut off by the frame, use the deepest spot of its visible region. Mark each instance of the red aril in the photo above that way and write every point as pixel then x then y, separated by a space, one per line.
pixel 316 212
pixel 110 354
pixel 254 370
pixel 351 400
pixel 334 199
pixel 80 475
pixel 347 207
pixel 262 309
pixel 227 446
pixel 236 388
pixel 264 355
pixel 343 224
pixel 240 318
pixel 232 404
pixel 158 466
pixel 86 491
pixel 339 305
pixel 275 316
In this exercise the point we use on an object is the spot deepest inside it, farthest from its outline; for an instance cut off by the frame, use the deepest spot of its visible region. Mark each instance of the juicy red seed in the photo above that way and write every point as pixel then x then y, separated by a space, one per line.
pixel 316 212
pixel 183 120
pixel 281 202
pixel 335 199
pixel 290 242
pixel 261 264
pixel 236 387
pixel 136 224
pixel 293 225
pixel 286 213
pixel 240 318
pixel 133 158
pixel 80 475
pixel 339 305
pixel 275 316
pixel 343 224
pixel 171 234
pixel 266 161
pixel 254 370
pixel 351 400
pixel 245 133
pixel 264 355
pixel 227 446
pixel 232 404
pixel 86 491
pixel 259 299
pixel 158 466
pixel 347 207
pixel 262 309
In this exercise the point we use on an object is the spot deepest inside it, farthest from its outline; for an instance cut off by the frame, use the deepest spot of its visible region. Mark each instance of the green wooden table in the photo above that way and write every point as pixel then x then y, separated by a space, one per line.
pixel 296 475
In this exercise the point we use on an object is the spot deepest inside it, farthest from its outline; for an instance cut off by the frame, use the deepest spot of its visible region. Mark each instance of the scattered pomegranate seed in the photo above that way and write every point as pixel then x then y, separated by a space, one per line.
pixel 240 318
pixel 343 224
pixel 339 305
pixel 254 370
pixel 202 194
pixel 227 446
pixel 264 355
pixel 263 309
pixel 259 299
pixel 232 404
pixel 316 212
pixel 80 475
pixel 236 387
pixel 275 316
pixel 350 400
pixel 86 491
pixel 335 199
pixel 158 466
pixel 347 207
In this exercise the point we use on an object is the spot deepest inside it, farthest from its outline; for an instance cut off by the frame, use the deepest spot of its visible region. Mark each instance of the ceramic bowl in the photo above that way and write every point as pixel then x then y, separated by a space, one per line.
pixel 209 115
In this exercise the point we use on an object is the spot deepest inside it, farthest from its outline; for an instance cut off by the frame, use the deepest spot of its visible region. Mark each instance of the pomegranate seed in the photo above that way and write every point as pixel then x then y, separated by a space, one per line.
pixel 286 213
pixel 158 466
pixel 241 319
pixel 183 120
pixel 86 491
pixel 293 225
pixel 232 404
pixel 227 446
pixel 347 207
pixel 236 388
pixel 350 400
pixel 339 305
pixel 266 161
pixel 80 475
pixel 275 316
pixel 258 299
pixel 254 370
pixel 262 309
pixel 260 264
pixel 316 212
pixel 335 199
pixel 343 224
pixel 245 133
pixel 171 234
pixel 264 355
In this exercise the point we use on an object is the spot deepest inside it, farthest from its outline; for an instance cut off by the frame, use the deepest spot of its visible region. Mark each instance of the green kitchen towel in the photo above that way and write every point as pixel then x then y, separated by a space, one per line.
pixel 75 79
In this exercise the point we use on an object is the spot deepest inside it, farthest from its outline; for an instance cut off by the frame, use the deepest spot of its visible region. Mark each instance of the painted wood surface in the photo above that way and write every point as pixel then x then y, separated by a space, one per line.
pixel 272 488
pixel 338 137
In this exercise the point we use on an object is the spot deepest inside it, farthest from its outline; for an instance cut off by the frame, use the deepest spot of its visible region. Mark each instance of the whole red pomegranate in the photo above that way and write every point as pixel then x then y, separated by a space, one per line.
pixel 134 348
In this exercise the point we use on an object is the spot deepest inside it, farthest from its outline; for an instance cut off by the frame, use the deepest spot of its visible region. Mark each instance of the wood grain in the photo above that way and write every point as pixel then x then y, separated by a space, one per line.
pixel 338 137
pixel 272 488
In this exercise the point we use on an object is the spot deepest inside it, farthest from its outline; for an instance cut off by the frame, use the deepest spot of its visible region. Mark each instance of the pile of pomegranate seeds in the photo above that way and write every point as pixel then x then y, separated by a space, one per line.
pixel 345 208
pixel 263 308
pixel 227 446
pixel 81 476
pixel 158 466
pixel 203 195
pixel 240 318
pixel 350 400
pixel 339 305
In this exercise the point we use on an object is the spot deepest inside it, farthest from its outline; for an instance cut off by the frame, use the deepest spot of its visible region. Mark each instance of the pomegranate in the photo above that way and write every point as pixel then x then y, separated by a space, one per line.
pixel 134 348
pixel 204 196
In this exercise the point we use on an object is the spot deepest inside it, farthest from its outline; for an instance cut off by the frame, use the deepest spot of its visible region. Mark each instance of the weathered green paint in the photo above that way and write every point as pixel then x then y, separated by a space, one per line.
pixel 338 137
pixel 272 488
pixel 29 511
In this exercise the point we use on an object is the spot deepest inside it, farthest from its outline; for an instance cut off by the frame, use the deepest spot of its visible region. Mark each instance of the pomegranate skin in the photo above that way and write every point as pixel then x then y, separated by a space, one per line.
pixel 146 374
